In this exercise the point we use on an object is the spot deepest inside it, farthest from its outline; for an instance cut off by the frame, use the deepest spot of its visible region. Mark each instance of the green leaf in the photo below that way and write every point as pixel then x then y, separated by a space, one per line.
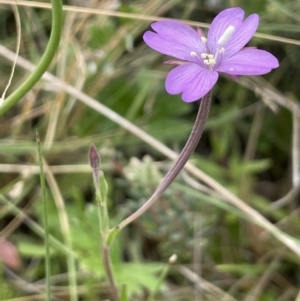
pixel 242 269
pixel 31 249
pixel 251 167
pixel 137 276
pixel 123 295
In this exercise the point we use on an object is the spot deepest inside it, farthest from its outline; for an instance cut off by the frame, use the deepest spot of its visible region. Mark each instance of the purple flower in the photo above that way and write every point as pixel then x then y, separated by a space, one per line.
pixel 200 58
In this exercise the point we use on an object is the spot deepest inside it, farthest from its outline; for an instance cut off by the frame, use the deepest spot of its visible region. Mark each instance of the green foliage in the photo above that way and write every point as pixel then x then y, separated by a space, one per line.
pixel 137 276
pixel 32 249
pixel 246 147
pixel 242 269
pixel 100 36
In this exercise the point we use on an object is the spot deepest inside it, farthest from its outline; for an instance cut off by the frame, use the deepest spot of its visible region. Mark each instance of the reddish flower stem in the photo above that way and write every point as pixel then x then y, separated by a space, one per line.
pixel 180 162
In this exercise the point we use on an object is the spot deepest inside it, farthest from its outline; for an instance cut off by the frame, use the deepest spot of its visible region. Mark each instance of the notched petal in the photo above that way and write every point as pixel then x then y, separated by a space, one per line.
pixel 175 39
pixel 191 80
pixel 167 47
pixel 173 28
pixel 228 17
pixel 241 36
pixel 249 62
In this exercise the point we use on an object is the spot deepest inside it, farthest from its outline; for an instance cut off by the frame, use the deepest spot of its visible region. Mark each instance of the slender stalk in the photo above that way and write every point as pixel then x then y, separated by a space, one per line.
pixel 104 230
pixel 109 272
pixel 162 277
pixel 101 190
pixel 65 230
pixel 47 245
pixel 18 26
pixel 181 160
pixel 45 61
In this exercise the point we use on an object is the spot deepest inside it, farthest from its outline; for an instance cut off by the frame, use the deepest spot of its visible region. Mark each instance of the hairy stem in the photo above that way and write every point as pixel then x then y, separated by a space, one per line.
pixel 45 61
pixel 181 160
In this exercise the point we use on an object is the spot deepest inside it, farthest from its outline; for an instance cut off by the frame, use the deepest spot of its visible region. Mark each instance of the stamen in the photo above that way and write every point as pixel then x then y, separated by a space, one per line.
pixel 204 40
pixel 206 62
pixel 212 61
pixel 226 35
pixel 204 55
pixel 193 53
pixel 222 50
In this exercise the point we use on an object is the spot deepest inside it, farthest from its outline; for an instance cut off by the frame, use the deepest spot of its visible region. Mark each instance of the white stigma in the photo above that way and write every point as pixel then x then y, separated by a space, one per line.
pixel 226 35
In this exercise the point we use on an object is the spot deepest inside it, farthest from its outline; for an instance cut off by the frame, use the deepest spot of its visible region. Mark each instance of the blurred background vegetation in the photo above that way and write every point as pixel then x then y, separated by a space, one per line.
pixel 249 146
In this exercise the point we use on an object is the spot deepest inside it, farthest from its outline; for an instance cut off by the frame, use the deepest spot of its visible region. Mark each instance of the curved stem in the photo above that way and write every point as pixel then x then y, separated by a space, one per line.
pixel 45 61
pixel 181 160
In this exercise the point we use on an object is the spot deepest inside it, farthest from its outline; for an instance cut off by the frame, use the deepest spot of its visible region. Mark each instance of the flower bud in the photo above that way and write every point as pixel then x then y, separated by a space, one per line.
pixel 172 259
pixel 94 157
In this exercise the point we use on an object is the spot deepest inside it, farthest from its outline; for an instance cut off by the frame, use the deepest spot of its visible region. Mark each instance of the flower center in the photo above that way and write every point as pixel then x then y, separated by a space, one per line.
pixel 208 59
pixel 211 59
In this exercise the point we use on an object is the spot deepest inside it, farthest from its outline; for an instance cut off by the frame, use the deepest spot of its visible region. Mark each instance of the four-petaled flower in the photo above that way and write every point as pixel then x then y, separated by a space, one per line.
pixel 200 58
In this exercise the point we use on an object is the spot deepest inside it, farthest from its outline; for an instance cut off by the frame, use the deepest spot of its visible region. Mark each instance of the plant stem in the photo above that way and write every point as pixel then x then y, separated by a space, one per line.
pixel 109 272
pixel 160 280
pixel 45 61
pixel 65 230
pixel 103 217
pixel 44 194
pixel 181 160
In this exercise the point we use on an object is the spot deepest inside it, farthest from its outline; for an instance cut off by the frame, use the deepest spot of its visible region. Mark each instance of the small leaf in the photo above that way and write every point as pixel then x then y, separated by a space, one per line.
pixel 123 295
pixel 112 234
pixel 242 269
